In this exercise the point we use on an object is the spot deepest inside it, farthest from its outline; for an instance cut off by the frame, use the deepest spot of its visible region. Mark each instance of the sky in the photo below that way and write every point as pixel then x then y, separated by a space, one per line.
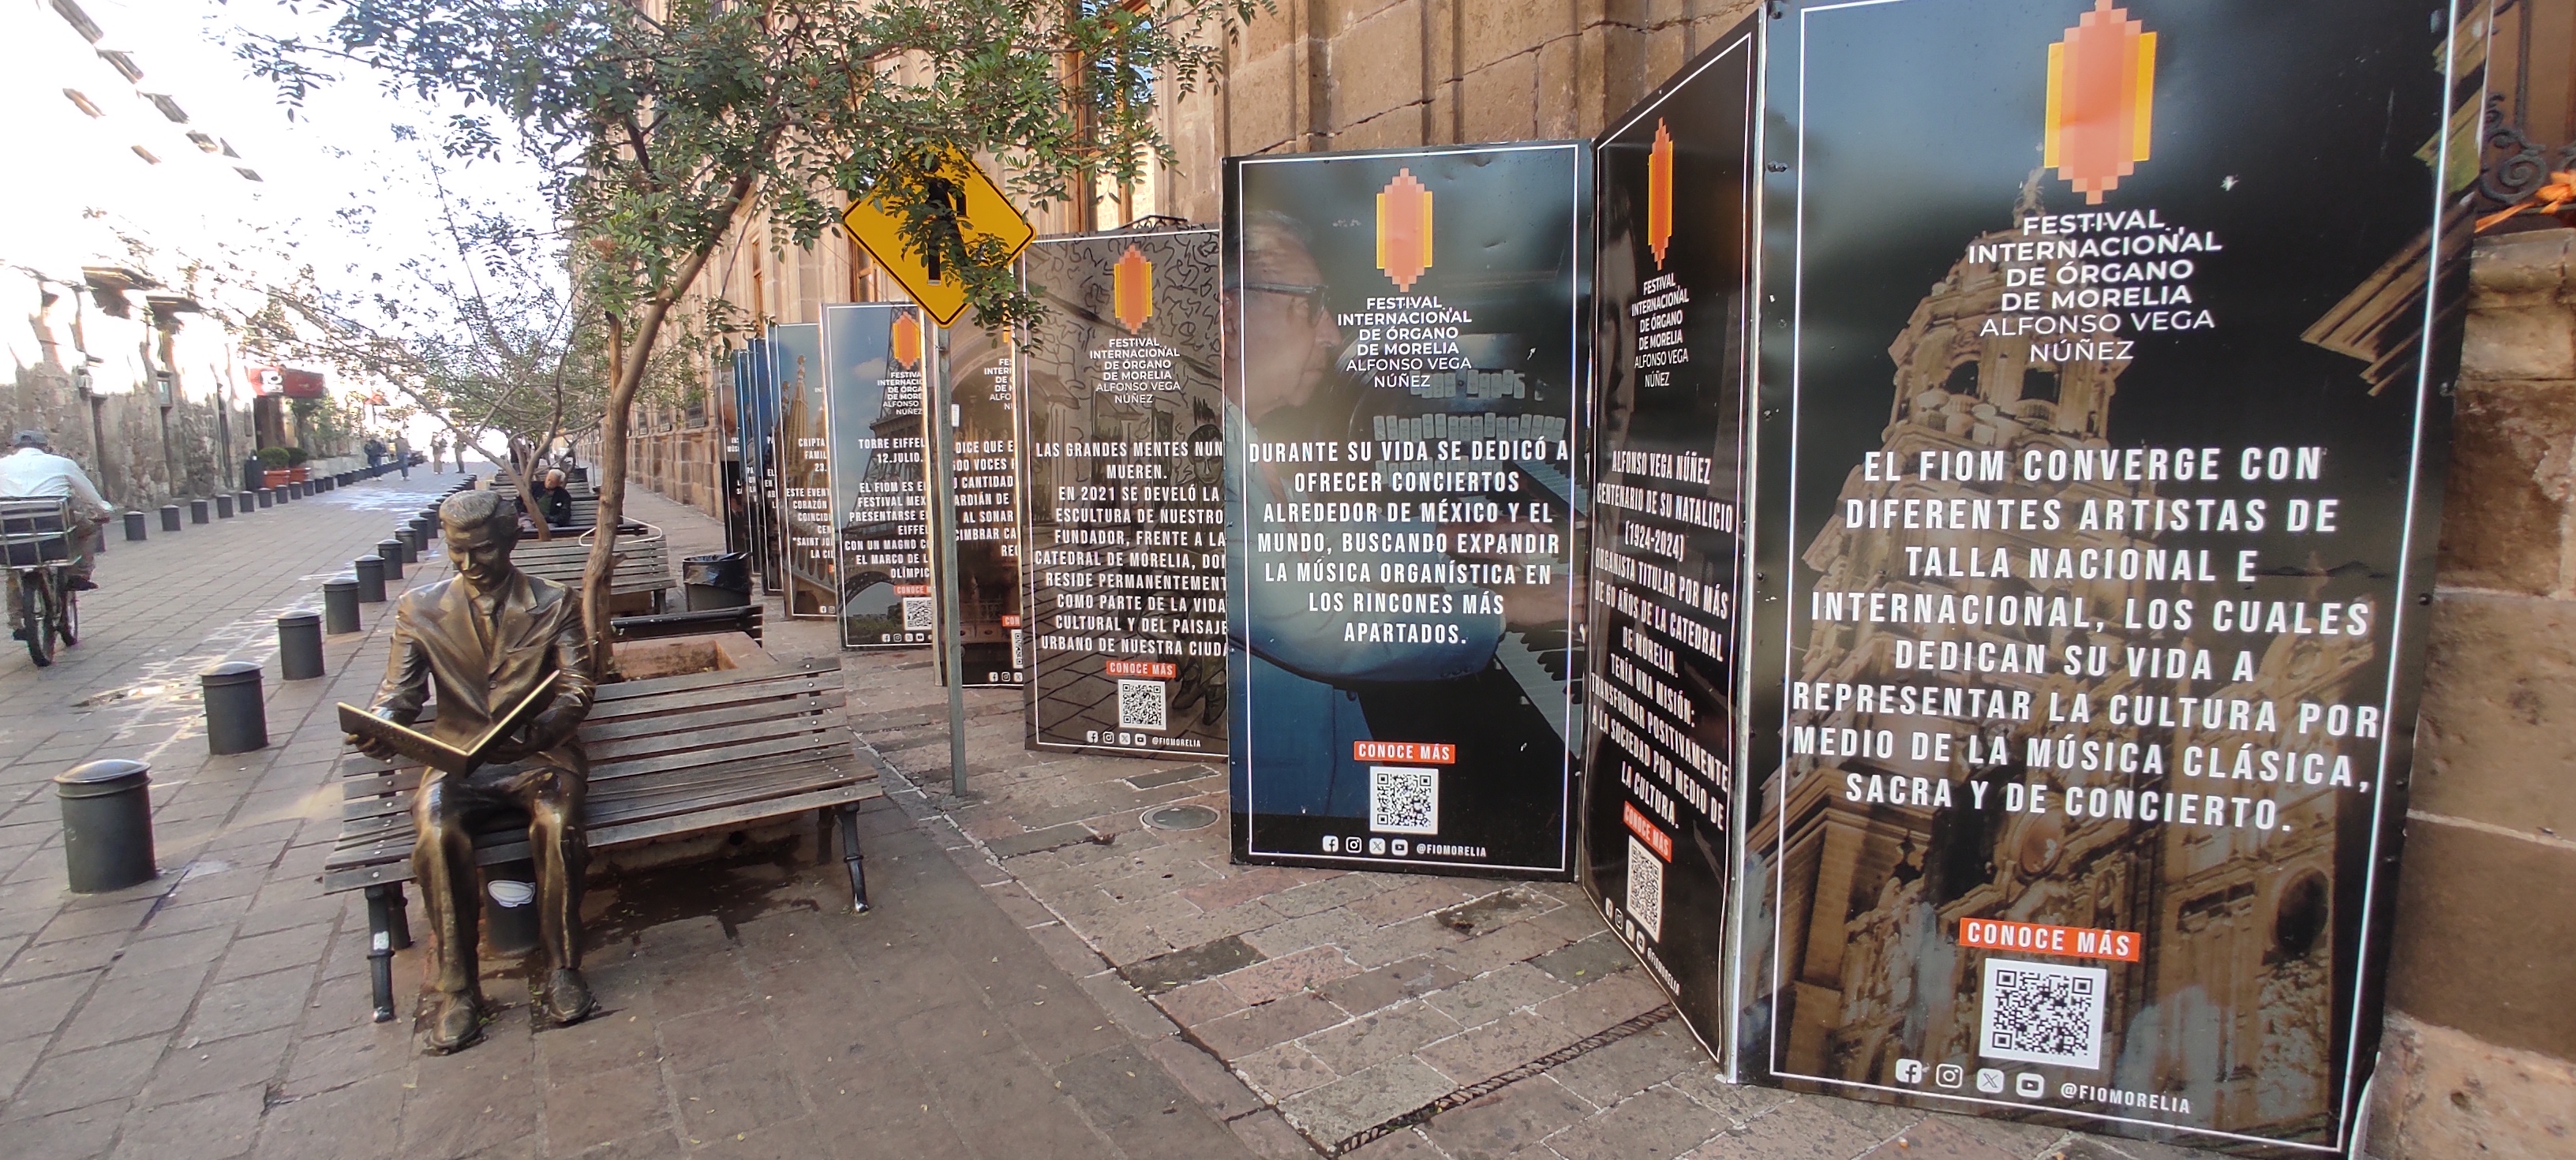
pixel 337 154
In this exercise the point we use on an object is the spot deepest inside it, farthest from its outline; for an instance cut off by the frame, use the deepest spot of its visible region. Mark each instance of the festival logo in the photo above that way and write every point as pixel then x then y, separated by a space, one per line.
pixel 1404 230
pixel 2101 100
pixel 1659 194
pixel 906 340
pixel 1131 289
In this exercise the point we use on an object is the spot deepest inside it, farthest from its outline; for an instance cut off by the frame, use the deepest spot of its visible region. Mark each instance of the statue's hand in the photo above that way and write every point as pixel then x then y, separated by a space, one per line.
pixel 372 747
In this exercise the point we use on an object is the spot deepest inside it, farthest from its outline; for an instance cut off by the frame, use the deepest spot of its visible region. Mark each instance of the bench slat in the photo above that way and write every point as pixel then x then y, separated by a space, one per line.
pixel 399 869
pixel 623 690
pixel 698 716
pixel 402 781
pixel 391 835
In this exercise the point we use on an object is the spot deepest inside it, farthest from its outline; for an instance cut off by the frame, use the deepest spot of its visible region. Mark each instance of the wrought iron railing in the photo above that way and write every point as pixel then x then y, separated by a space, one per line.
pixel 2529 128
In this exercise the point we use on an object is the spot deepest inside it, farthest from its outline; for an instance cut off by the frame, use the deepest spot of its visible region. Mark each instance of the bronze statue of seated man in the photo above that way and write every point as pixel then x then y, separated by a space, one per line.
pixel 485 639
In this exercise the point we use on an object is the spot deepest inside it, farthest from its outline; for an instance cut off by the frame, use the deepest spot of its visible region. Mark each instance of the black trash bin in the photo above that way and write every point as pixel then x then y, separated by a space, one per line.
pixel 721 580
pixel 107 824
pixel 510 908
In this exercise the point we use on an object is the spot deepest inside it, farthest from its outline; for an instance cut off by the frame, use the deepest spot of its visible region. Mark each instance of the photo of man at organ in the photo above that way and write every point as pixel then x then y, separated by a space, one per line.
pixel 1399 494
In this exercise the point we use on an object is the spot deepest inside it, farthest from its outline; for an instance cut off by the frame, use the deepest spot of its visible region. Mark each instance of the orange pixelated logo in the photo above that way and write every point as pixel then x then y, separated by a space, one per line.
pixel 912 590
pixel 1404 230
pixel 1659 194
pixel 1647 831
pixel 2101 100
pixel 1413 752
pixel 2039 938
pixel 1131 289
pixel 1159 670
pixel 907 340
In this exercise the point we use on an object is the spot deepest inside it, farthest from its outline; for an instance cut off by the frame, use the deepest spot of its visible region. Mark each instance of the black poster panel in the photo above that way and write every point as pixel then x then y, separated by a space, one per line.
pixel 806 549
pixel 1121 422
pixel 1406 350
pixel 756 412
pixel 872 359
pixel 1673 354
pixel 984 476
pixel 737 514
pixel 2101 458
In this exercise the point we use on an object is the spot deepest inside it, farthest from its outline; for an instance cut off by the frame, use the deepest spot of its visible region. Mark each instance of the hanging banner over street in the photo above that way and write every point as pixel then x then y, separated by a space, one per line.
pixel 984 473
pixel 1674 350
pixel 757 412
pixel 872 355
pixel 2102 448
pixel 806 551
pixel 1402 504
pixel 1121 425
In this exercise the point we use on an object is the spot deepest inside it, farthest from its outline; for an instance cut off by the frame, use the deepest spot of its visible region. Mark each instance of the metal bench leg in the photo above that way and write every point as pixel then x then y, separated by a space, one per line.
pixel 382 913
pixel 850 857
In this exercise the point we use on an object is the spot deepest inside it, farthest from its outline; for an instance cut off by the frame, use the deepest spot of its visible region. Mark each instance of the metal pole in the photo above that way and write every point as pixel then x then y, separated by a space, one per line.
pixel 943 540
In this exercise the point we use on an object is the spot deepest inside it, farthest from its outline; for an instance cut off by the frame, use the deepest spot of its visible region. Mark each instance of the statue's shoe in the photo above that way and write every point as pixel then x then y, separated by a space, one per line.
pixel 567 999
pixel 453 1023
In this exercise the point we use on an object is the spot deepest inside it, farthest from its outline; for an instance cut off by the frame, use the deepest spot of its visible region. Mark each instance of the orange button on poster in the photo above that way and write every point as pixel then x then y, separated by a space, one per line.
pixel 2082 942
pixel 1416 752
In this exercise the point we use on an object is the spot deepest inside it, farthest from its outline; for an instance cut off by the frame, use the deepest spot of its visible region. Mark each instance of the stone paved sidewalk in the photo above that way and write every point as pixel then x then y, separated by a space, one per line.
pixel 222 1009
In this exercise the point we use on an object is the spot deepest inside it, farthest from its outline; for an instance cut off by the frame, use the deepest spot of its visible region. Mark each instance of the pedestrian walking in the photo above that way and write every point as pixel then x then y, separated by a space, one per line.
pixel 402 455
pixel 438 455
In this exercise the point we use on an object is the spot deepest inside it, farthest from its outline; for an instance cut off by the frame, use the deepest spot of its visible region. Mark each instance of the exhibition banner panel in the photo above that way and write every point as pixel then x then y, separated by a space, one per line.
pixel 872 355
pixel 806 553
pixel 1406 357
pixel 737 514
pixel 1121 418
pixel 984 476
pixel 1673 353
pixel 757 408
pixel 2105 414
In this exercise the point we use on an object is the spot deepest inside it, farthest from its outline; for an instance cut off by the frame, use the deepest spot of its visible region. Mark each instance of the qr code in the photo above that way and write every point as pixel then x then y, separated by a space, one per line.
pixel 1143 704
pixel 1404 801
pixel 919 614
pixel 1645 889
pixel 2043 1013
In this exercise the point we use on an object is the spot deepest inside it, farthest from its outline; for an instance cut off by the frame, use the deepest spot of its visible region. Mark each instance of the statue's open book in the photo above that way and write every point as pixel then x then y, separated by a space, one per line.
pixel 438 754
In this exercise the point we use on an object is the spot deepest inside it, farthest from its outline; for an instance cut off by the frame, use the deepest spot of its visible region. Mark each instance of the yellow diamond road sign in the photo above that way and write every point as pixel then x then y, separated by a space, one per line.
pixel 984 212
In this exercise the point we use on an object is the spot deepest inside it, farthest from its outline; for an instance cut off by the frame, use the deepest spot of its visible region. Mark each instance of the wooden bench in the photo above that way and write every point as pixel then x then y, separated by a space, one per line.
pixel 640 583
pixel 668 756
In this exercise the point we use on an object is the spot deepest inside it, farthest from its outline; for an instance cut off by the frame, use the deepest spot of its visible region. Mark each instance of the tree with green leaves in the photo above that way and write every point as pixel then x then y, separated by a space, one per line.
pixel 664 124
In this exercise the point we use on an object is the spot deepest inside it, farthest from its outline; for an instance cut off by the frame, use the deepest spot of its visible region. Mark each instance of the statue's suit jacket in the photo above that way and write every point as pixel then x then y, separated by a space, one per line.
pixel 437 639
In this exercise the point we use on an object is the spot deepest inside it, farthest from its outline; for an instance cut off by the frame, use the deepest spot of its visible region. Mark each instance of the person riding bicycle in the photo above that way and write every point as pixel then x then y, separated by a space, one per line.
pixel 32 471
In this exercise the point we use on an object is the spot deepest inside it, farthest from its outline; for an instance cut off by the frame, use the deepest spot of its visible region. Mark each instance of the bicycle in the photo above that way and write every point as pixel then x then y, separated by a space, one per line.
pixel 35 539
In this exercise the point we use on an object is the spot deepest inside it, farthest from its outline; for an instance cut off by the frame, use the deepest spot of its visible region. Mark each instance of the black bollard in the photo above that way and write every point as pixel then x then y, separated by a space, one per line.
pixel 198 511
pixel 509 908
pixel 133 526
pixel 267 497
pixel 391 552
pixel 107 824
pixel 371 579
pixel 224 506
pixel 236 714
pixel 246 502
pixel 412 545
pixel 299 646
pixel 169 517
pixel 340 605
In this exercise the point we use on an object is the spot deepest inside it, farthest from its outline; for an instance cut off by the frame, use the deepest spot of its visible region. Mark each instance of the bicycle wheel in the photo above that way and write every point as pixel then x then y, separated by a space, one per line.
pixel 35 611
pixel 67 610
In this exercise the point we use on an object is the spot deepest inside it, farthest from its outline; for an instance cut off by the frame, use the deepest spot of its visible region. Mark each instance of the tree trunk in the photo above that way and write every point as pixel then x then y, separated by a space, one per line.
pixel 525 460
pixel 634 355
